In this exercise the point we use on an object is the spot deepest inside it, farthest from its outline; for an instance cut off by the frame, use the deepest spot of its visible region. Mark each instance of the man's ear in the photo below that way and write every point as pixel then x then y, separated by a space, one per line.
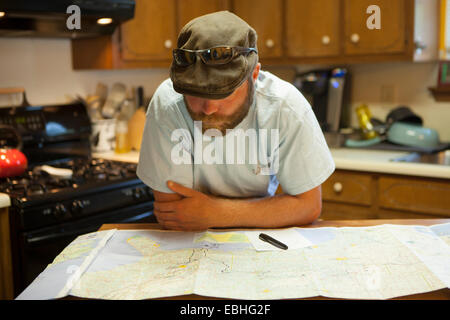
pixel 256 71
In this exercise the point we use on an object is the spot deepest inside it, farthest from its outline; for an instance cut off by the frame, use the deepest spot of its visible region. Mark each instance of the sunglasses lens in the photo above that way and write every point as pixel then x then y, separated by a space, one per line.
pixel 219 55
pixel 183 58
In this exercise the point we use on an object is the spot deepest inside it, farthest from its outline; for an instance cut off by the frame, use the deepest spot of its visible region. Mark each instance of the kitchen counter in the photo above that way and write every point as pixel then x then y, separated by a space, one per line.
pixel 382 161
pixel 348 159
pixel 345 158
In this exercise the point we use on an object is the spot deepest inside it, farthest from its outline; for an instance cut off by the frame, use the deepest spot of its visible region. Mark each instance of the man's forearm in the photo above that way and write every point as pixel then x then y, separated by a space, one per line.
pixel 271 212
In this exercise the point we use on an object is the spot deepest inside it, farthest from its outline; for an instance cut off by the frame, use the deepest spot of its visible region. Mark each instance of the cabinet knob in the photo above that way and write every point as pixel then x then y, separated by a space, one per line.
pixel 326 40
pixel 354 38
pixel 168 44
pixel 337 187
pixel 270 43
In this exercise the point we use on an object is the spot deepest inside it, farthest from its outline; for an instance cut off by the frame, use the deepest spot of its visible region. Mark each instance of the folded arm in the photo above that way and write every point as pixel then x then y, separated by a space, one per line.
pixel 188 209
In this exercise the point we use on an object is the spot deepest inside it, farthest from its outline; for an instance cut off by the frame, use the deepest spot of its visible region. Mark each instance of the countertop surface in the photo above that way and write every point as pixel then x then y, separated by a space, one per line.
pixel 349 159
pixel 379 161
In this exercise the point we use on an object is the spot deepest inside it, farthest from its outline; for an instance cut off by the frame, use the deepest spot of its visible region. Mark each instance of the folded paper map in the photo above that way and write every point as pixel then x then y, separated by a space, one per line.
pixel 377 262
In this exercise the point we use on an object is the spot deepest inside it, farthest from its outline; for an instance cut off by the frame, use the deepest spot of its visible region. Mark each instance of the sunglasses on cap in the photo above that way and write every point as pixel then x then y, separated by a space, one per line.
pixel 211 56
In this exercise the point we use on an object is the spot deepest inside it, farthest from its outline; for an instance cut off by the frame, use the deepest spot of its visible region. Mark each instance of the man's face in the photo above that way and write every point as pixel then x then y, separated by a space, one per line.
pixel 225 113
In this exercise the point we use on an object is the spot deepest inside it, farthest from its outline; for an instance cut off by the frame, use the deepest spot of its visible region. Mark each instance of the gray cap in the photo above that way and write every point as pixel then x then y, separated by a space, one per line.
pixel 221 28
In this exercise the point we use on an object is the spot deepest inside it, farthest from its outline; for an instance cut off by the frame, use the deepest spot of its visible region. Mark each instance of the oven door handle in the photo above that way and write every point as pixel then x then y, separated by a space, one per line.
pixel 55 236
pixel 33 239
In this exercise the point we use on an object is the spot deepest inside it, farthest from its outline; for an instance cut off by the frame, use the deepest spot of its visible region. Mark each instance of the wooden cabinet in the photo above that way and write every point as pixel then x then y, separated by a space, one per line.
pixel 145 41
pixel 152 32
pixel 265 16
pixel 363 195
pixel 415 195
pixel 391 37
pixel 312 28
pixel 289 32
pixel 6 271
pixel 190 9
pixel 332 31
pixel 352 188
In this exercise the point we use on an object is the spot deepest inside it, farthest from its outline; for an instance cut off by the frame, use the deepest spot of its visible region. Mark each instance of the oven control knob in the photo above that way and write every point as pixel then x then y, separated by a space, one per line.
pixel 59 211
pixel 77 207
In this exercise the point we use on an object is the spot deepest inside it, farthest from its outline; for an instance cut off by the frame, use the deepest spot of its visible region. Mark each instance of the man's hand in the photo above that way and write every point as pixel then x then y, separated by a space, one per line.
pixel 194 211
pixel 188 209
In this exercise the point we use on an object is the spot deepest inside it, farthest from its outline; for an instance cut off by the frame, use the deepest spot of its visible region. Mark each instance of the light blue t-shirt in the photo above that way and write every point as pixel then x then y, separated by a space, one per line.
pixel 279 141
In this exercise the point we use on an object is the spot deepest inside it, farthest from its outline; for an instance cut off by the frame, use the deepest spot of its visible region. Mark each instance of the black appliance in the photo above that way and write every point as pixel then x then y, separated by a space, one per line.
pixel 327 91
pixel 51 207
pixel 51 18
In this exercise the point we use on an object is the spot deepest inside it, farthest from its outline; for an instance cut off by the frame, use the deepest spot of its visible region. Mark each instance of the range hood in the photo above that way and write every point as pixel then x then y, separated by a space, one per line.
pixel 61 18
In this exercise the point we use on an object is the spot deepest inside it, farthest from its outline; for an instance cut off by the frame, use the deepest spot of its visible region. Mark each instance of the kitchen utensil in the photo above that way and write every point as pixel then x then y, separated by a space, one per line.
pixel 61 173
pixel 12 161
pixel 136 128
pixel 137 123
pixel 404 114
pixel 103 135
pixel 402 133
pixel 114 100
pixel 411 134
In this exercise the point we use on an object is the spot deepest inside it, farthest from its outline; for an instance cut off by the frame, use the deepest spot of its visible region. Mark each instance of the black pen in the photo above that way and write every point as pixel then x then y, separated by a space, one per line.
pixel 272 241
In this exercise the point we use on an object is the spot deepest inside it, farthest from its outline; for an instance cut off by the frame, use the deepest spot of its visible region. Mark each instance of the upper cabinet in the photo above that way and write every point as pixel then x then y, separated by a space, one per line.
pixel 312 28
pixel 138 39
pixel 389 36
pixel 190 9
pixel 265 16
pixel 289 32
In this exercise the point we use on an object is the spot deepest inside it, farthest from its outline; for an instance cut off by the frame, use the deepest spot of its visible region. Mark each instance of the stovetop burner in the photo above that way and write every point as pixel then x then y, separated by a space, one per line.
pixel 36 181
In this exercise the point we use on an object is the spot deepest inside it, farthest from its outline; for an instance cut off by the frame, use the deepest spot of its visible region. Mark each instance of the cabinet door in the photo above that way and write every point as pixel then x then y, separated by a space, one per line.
pixel 151 34
pixel 312 28
pixel 391 36
pixel 265 16
pixel 190 9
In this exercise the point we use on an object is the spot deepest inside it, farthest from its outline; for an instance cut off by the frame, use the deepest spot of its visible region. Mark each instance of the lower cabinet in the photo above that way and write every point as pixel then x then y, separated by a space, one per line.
pixel 365 195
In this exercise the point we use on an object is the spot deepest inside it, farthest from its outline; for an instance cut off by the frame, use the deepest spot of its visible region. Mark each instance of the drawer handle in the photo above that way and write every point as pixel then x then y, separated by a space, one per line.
pixel 337 187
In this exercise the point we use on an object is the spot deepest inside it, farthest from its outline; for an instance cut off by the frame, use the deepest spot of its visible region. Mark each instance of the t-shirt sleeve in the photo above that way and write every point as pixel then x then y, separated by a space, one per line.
pixel 305 160
pixel 159 158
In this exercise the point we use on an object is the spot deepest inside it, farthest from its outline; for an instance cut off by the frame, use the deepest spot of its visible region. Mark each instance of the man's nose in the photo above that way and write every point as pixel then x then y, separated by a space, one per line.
pixel 210 107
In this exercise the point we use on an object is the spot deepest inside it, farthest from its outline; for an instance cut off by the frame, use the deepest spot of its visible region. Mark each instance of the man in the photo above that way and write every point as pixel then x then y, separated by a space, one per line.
pixel 221 135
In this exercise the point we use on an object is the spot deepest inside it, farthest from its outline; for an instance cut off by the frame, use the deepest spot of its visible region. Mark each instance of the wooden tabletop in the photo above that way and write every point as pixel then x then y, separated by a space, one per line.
pixel 443 294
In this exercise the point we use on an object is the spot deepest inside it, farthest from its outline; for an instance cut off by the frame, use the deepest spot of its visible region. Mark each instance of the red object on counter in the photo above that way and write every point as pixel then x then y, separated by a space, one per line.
pixel 12 163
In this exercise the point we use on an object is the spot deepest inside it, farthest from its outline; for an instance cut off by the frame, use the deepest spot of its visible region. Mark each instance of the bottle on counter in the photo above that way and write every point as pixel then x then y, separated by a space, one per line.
pixel 366 126
pixel 122 141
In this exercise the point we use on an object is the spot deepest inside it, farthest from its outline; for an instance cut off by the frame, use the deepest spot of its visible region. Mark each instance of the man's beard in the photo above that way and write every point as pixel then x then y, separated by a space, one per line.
pixel 222 123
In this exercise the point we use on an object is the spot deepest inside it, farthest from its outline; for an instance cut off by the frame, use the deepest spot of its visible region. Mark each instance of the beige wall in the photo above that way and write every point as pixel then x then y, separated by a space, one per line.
pixel 43 67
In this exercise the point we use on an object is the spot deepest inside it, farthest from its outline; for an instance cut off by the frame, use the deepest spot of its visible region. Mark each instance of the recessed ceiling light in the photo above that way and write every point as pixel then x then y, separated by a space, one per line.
pixel 104 21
